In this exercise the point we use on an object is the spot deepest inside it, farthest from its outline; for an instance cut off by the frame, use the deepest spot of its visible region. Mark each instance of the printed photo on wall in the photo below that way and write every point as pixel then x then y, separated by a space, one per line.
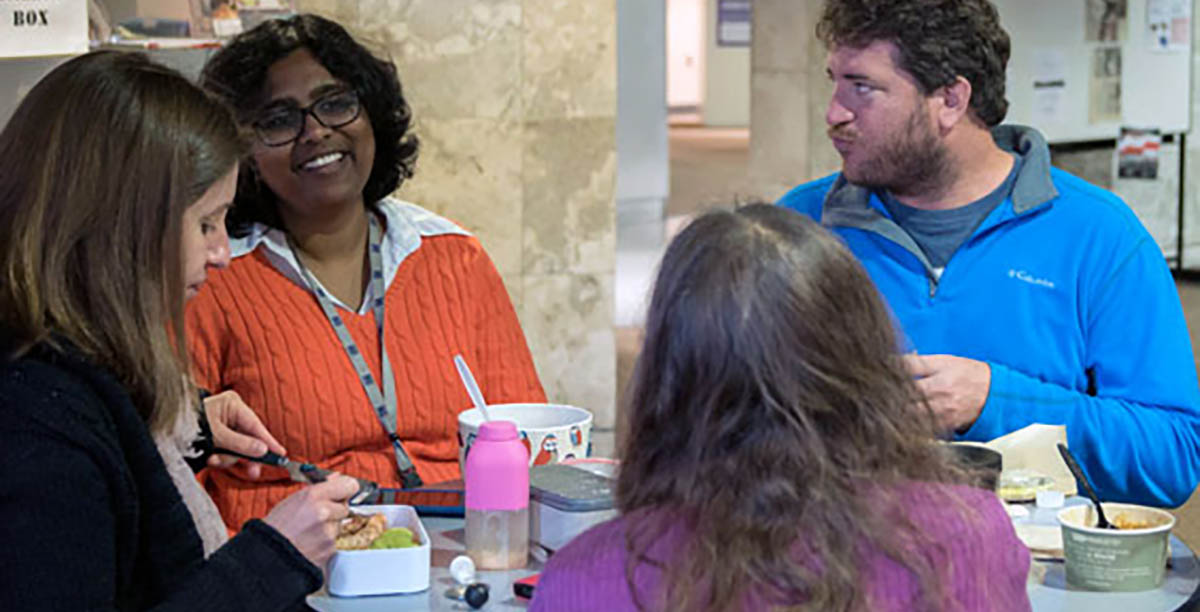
pixel 1104 91
pixel 1105 20
pixel 1137 153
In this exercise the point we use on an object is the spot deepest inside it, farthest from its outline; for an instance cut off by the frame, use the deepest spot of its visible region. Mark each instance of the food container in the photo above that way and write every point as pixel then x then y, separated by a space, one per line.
pixel 1022 485
pixel 550 432
pixel 1116 559
pixel 596 465
pixel 385 571
pixel 566 501
pixel 983 461
pixel 1049 498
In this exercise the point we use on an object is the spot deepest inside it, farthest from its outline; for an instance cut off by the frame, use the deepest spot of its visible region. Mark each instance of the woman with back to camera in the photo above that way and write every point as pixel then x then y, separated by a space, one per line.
pixel 776 454
pixel 327 267
pixel 103 236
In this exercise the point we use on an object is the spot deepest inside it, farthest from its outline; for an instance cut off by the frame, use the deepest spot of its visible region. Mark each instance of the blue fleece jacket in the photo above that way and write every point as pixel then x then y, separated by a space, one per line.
pixel 1068 299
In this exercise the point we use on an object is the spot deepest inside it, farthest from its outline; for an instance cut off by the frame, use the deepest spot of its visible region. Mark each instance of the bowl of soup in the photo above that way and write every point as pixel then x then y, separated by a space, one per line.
pixel 1132 557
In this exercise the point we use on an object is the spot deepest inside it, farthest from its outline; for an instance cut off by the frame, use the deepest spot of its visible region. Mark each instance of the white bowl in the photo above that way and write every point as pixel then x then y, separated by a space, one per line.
pixel 387 570
pixel 551 432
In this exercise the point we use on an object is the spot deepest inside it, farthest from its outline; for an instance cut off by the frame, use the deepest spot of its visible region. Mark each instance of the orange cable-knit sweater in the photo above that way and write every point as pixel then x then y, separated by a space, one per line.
pixel 253 330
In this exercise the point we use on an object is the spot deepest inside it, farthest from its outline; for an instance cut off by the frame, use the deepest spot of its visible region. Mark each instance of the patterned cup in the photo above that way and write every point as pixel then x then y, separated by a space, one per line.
pixel 552 432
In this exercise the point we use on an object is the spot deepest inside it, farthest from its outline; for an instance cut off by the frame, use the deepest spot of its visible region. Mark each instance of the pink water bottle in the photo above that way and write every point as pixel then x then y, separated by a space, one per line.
pixel 497 476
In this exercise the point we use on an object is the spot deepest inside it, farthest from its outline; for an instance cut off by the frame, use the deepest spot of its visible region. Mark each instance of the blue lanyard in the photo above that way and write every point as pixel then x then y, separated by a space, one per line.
pixel 383 401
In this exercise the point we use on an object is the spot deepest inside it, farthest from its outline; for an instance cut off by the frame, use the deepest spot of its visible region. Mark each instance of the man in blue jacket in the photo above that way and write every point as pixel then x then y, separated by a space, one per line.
pixel 1028 295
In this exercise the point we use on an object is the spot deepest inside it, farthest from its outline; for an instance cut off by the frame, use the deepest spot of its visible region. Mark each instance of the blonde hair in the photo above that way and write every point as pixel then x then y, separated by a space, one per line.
pixel 101 159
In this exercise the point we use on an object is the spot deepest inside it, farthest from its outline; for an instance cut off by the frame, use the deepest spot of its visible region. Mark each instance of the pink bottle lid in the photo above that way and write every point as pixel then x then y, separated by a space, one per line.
pixel 497 471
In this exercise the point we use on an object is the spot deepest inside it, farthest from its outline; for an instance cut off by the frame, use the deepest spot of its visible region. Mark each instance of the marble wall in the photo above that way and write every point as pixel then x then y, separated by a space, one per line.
pixel 789 94
pixel 515 105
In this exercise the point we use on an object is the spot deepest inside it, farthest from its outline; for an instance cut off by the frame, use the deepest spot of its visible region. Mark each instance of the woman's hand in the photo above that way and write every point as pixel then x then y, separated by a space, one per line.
pixel 235 426
pixel 309 517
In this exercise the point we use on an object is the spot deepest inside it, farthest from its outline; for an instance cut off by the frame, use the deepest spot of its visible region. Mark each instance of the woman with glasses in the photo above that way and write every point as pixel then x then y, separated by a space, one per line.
pixel 103 236
pixel 342 309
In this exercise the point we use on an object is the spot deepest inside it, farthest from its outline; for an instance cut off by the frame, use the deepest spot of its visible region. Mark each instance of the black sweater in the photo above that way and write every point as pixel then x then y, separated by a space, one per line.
pixel 90 519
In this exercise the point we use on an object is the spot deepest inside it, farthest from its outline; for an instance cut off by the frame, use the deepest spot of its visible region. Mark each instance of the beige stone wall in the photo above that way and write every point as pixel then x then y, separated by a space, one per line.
pixel 789 94
pixel 515 105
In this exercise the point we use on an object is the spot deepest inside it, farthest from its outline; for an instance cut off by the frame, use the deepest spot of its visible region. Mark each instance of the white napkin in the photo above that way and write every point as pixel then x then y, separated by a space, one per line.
pixel 1036 448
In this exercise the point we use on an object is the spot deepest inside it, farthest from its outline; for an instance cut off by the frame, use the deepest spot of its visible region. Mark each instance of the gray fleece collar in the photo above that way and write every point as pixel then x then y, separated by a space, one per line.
pixel 1033 186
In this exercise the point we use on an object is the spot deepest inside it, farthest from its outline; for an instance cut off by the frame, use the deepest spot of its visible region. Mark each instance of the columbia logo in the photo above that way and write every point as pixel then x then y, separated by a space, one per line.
pixel 1026 277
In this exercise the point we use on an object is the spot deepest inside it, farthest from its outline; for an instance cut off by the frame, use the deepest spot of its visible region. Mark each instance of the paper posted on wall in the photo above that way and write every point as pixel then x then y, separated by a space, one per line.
pixel 43 27
pixel 1138 152
pixel 1049 87
pixel 1105 20
pixel 1168 24
pixel 1104 91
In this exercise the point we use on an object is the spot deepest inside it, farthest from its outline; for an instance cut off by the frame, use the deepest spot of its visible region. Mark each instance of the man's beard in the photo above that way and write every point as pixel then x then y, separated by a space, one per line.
pixel 912 162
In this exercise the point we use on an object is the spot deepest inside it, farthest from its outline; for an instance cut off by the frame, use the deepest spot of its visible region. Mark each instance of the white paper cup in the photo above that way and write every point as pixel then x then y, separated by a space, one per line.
pixel 1115 559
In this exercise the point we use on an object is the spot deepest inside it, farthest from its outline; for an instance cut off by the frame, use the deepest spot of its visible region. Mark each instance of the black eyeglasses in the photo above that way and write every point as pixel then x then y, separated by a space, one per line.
pixel 283 126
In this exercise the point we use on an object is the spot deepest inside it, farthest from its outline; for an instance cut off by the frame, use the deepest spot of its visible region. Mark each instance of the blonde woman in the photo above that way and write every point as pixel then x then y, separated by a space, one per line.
pixel 105 229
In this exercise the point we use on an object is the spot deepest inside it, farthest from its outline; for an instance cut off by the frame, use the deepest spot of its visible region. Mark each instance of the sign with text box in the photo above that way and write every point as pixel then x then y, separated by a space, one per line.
pixel 733 23
pixel 43 27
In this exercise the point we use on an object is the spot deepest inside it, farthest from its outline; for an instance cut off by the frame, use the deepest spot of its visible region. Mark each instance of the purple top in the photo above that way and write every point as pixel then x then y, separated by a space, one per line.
pixel 984 564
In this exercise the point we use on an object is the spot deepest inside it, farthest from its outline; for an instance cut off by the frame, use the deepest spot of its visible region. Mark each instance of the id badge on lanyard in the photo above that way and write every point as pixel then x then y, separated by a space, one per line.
pixel 382 401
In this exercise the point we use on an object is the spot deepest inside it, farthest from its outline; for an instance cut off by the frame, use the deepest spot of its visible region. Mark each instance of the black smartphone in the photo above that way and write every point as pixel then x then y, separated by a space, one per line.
pixel 524 587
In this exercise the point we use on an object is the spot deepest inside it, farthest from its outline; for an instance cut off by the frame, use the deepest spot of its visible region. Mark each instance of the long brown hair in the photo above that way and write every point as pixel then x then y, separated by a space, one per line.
pixel 100 161
pixel 768 402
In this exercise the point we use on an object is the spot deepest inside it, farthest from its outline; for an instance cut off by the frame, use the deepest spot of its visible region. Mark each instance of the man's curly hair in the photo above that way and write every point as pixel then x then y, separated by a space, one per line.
pixel 938 41
pixel 238 72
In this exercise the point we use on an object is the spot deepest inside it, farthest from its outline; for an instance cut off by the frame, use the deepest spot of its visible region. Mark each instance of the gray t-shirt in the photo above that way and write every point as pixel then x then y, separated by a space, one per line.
pixel 939 233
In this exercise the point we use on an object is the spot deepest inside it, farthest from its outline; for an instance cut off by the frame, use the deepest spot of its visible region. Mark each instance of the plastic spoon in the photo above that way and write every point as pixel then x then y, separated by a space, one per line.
pixel 1087 486
pixel 472 387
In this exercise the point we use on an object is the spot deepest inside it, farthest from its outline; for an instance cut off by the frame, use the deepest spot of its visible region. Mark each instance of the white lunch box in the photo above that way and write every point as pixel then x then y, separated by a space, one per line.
pixel 384 571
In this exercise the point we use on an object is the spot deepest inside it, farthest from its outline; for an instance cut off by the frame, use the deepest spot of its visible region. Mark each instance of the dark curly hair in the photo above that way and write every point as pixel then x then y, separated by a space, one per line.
pixel 237 74
pixel 938 40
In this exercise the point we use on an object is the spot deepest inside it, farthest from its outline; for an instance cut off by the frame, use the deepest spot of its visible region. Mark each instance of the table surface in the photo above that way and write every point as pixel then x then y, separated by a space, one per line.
pixel 1051 595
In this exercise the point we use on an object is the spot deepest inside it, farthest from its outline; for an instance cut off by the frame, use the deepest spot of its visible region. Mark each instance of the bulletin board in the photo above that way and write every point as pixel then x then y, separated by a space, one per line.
pixel 1069 78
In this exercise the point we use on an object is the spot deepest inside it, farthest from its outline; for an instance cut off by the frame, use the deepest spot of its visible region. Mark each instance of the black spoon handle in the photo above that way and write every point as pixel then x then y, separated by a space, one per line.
pixel 269 458
pixel 1082 479
pixel 367 489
